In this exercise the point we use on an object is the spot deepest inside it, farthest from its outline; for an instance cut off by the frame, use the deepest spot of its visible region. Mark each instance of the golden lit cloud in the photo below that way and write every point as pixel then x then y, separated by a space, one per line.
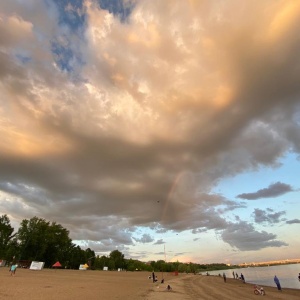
pixel 111 114
pixel 285 18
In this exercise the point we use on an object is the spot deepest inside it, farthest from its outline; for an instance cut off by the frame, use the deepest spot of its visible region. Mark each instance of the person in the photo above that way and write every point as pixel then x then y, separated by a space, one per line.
pixel 13 270
pixel 233 275
pixel 276 280
pixel 299 277
pixel 237 275
pixel 242 277
pixel 169 288
pixel 224 277
pixel 153 277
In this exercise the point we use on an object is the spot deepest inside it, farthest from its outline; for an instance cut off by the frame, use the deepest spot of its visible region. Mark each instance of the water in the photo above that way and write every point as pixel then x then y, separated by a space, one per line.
pixel 287 275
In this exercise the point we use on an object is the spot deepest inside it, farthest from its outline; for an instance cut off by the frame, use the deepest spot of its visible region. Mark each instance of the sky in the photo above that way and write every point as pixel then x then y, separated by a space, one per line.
pixel 162 129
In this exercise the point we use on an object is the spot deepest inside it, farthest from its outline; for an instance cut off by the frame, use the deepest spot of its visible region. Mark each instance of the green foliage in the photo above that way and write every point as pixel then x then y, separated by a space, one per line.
pixel 38 239
pixel 134 265
pixel 116 260
pixel 6 238
pixel 100 262
pixel 76 256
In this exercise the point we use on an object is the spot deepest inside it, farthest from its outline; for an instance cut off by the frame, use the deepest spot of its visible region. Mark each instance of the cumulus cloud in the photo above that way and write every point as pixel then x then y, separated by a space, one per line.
pixel 120 124
pixel 244 237
pixel 273 190
pixel 146 238
pixel 269 216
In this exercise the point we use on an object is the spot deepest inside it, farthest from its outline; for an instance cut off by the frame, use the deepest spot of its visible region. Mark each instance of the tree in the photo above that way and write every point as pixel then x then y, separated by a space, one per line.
pixel 76 256
pixel 117 259
pixel 43 241
pixel 160 265
pixel 57 244
pixel 6 237
pixel 182 267
pixel 101 262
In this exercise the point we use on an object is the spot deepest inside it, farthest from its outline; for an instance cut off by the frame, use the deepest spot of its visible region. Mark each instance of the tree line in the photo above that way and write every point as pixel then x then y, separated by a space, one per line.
pixel 48 242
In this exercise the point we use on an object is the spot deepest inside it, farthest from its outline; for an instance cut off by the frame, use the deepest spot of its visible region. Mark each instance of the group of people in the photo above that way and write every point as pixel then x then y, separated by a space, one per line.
pixel 154 279
pixel 236 276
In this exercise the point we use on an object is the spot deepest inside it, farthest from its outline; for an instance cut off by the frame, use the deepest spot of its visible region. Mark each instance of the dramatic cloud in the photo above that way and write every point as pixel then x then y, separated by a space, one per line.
pixel 111 121
pixel 274 190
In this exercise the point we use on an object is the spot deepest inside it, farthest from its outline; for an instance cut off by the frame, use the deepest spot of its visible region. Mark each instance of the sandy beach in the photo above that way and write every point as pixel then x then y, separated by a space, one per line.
pixel 74 284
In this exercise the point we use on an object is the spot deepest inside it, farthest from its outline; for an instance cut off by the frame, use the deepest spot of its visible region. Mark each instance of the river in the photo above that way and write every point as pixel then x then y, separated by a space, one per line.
pixel 287 274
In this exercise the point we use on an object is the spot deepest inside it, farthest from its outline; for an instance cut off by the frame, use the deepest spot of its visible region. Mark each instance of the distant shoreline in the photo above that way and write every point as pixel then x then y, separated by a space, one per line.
pixel 271 263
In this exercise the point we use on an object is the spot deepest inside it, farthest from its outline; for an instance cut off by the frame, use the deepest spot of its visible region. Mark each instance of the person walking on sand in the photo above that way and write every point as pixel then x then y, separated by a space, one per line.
pixel 13 270
pixel 224 277
pixel 242 277
pixel 276 280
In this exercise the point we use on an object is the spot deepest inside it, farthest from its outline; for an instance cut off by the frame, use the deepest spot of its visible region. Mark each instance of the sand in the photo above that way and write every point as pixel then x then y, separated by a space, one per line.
pixel 74 284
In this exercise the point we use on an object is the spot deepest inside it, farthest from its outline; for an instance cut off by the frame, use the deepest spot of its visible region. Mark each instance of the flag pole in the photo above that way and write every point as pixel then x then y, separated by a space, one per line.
pixel 165 263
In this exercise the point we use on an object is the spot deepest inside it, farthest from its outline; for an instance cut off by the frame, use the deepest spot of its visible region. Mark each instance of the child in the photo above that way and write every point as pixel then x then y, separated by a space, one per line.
pixel 13 270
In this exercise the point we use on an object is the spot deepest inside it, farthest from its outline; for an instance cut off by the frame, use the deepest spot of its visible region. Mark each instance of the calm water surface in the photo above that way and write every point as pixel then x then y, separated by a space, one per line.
pixel 287 275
